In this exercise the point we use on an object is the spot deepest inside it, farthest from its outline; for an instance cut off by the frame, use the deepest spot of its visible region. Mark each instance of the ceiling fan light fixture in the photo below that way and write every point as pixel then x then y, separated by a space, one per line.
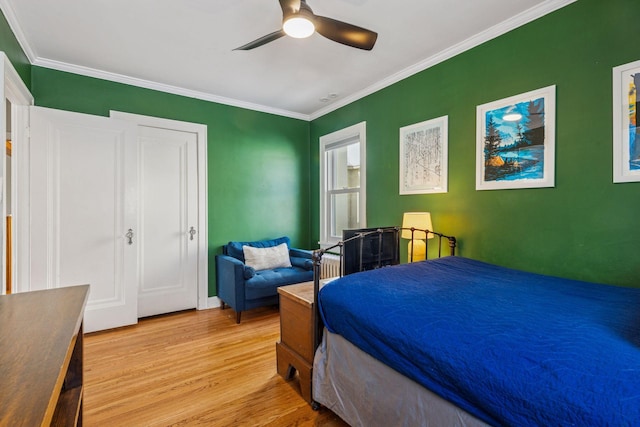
pixel 299 27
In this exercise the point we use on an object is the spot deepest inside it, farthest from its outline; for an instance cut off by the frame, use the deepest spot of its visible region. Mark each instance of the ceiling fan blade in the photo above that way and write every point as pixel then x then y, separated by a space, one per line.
pixel 262 40
pixel 289 6
pixel 346 34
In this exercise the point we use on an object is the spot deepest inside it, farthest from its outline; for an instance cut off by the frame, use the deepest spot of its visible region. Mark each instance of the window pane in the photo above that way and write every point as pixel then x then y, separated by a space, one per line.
pixel 344 167
pixel 345 211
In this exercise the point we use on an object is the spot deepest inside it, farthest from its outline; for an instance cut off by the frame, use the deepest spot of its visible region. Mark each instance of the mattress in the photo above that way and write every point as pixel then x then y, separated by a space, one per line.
pixel 508 347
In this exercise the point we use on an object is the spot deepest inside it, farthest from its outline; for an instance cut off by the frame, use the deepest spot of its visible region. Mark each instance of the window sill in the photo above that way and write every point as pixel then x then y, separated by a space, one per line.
pixel 325 245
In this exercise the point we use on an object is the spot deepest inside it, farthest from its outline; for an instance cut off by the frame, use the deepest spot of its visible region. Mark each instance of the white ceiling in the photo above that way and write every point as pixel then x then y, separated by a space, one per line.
pixel 185 47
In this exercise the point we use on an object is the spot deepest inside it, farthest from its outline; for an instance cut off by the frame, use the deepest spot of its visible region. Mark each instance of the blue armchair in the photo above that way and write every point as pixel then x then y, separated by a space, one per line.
pixel 243 287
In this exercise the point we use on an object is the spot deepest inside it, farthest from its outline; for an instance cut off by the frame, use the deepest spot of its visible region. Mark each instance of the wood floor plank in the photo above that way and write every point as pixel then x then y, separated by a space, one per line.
pixel 193 368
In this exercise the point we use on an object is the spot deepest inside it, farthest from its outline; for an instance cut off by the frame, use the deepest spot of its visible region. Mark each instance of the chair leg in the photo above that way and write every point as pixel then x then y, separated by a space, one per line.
pixel 238 317
pixel 222 305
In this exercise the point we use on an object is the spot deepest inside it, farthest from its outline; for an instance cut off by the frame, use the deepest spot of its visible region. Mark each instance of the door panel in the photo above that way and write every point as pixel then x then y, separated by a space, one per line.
pixel 168 210
pixel 83 200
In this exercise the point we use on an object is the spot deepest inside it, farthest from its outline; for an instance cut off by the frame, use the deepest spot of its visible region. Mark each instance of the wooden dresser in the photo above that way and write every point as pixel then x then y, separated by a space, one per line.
pixel 41 357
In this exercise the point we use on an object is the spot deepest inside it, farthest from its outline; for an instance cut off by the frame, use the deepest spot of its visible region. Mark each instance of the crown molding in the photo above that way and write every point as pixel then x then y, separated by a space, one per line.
pixel 482 37
pixel 497 30
pixel 134 81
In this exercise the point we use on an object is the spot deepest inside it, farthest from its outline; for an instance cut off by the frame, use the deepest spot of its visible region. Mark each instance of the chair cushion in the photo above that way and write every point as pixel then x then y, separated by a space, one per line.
pixel 265 283
pixel 234 249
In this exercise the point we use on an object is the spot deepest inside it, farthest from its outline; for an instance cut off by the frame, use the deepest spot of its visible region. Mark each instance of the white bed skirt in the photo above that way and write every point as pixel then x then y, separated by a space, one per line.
pixel 365 392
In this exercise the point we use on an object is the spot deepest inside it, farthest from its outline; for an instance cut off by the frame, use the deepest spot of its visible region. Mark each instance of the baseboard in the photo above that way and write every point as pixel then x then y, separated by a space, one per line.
pixel 213 302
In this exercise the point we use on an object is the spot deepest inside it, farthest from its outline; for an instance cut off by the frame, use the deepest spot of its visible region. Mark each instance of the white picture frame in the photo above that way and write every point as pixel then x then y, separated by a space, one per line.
pixel 424 157
pixel 515 141
pixel 626 133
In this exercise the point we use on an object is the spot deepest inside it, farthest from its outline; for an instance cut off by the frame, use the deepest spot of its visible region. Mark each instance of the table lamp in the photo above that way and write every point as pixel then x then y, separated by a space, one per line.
pixel 413 224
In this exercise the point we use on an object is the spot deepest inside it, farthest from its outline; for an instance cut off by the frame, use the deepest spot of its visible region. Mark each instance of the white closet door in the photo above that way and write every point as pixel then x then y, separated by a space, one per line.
pixel 83 196
pixel 169 218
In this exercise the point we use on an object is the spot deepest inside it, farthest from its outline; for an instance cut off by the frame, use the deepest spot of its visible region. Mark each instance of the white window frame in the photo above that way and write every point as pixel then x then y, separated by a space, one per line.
pixel 331 141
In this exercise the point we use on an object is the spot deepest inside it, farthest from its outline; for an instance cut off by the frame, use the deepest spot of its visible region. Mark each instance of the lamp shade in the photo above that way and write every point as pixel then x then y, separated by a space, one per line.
pixel 419 221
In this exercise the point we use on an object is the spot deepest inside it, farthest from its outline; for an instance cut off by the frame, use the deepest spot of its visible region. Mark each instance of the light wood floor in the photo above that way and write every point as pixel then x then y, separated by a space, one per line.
pixel 193 368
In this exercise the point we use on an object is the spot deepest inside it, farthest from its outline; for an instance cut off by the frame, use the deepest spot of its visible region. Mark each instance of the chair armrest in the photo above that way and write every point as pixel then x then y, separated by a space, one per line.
pixel 301 258
pixel 300 253
pixel 304 263
pixel 230 281
pixel 227 261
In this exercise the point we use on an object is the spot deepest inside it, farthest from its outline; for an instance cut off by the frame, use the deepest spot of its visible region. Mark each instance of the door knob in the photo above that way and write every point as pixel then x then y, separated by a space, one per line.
pixel 129 236
pixel 192 232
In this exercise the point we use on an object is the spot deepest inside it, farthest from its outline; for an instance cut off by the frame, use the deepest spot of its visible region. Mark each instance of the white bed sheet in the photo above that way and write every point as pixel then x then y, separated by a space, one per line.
pixel 365 392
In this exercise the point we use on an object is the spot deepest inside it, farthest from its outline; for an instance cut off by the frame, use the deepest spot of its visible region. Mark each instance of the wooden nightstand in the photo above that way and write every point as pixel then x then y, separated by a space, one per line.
pixel 295 350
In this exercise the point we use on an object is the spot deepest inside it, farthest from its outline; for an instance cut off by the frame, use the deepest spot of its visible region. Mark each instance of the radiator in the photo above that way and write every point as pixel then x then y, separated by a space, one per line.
pixel 330 266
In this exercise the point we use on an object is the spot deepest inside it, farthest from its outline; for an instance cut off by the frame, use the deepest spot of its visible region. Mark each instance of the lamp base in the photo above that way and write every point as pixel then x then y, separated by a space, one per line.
pixel 419 251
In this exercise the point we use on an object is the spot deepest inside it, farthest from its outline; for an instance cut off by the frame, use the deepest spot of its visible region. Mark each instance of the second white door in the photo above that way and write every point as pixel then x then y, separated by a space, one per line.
pixel 168 212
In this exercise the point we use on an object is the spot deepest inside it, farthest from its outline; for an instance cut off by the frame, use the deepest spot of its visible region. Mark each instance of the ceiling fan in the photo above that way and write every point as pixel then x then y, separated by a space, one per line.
pixel 299 21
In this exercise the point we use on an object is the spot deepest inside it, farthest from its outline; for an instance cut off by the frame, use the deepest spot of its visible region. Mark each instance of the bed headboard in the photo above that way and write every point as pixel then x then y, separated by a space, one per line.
pixel 356 241
pixel 369 248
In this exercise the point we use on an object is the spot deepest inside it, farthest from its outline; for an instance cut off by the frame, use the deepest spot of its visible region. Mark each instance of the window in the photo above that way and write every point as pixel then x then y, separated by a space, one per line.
pixel 342 182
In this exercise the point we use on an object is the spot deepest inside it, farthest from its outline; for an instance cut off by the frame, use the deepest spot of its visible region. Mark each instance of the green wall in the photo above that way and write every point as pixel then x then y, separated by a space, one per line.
pixel 263 169
pixel 10 46
pixel 258 179
pixel 586 227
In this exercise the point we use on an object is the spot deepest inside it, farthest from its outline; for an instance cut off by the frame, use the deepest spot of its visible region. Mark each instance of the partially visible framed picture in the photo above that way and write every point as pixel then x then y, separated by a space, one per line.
pixel 515 141
pixel 626 133
pixel 424 156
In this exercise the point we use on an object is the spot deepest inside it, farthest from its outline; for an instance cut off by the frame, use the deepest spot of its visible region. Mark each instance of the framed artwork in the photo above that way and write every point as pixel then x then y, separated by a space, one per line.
pixel 626 133
pixel 515 141
pixel 423 157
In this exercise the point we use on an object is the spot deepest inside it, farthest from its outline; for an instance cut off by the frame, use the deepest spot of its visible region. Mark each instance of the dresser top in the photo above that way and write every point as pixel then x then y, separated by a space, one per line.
pixel 37 333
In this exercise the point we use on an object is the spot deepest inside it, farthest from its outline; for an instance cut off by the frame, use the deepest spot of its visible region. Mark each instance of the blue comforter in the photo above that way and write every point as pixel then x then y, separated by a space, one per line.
pixel 511 348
